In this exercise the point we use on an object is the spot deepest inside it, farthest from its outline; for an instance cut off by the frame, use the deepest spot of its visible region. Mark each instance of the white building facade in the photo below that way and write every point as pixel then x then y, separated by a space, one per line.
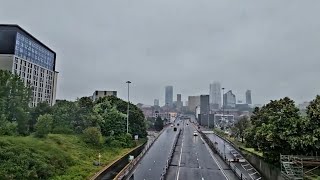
pixel 31 60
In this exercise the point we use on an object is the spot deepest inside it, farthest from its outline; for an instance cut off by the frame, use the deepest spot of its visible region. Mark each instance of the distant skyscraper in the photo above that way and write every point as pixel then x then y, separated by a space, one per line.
pixel 229 100
pixel 156 102
pixel 178 97
pixel 179 103
pixel 193 102
pixel 204 109
pixel 204 104
pixel 248 97
pixel 169 96
pixel 215 95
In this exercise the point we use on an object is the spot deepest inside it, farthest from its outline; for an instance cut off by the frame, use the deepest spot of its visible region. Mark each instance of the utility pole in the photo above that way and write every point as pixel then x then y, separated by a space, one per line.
pixel 224 142
pixel 208 115
pixel 128 82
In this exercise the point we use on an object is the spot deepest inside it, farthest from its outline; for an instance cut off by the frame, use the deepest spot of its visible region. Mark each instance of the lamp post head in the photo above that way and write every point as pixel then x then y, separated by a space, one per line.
pixel 128 82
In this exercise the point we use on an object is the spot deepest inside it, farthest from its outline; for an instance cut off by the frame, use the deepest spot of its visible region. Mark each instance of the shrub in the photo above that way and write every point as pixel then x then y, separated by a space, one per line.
pixel 92 135
pixel 44 125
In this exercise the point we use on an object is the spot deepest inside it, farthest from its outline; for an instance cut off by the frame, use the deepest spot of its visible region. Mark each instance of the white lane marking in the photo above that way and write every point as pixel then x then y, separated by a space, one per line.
pixel 178 173
pixel 245 164
pixel 215 160
pixel 258 178
pixel 249 169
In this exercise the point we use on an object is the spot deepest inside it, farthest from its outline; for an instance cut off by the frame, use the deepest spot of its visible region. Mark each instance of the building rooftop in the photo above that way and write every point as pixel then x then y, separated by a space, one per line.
pixel 17 27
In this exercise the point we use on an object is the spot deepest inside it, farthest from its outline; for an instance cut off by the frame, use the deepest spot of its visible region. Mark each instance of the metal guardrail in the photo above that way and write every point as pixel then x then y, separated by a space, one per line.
pixel 99 173
pixel 169 160
pixel 232 166
pixel 128 168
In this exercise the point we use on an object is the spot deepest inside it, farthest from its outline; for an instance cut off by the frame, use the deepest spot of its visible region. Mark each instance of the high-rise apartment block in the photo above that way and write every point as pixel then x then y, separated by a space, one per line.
pixel 248 97
pixel 34 62
pixel 215 95
pixel 169 96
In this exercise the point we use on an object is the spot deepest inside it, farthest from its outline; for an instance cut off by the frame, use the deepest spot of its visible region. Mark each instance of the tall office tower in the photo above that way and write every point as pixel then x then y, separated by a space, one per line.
pixel 169 96
pixel 204 109
pixel 229 100
pixel 34 62
pixel 179 103
pixel 215 95
pixel 248 97
pixel 178 97
pixel 204 104
pixel 156 102
pixel 193 102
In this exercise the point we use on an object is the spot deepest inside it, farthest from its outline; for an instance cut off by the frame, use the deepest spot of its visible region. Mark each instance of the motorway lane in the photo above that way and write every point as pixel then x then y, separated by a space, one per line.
pixel 152 164
pixel 194 159
pixel 230 153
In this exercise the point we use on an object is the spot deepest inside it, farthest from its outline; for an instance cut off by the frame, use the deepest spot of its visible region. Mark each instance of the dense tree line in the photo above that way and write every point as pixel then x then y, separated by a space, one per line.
pixel 278 128
pixel 105 117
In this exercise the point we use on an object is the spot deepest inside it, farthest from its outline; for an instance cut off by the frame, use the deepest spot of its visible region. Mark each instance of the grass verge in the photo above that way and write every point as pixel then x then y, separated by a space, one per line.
pixel 54 157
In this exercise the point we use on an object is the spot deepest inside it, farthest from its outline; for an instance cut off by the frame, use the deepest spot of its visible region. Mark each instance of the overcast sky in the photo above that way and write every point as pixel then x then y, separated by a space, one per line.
pixel 271 47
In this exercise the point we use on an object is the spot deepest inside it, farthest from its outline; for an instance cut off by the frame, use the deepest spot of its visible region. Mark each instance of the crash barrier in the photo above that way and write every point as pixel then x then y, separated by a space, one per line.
pixel 240 150
pixel 232 166
pixel 130 166
pixel 110 171
pixel 168 162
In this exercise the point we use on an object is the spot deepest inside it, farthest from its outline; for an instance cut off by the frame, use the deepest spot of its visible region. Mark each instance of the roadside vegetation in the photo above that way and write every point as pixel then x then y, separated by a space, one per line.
pixel 278 128
pixel 62 141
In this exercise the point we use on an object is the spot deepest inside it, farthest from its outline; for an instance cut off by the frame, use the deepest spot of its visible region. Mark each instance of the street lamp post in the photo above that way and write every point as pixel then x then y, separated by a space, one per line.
pixel 208 116
pixel 224 142
pixel 128 82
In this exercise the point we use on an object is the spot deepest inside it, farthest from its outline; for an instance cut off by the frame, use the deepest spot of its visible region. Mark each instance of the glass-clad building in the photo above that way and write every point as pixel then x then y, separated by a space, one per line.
pixel 34 62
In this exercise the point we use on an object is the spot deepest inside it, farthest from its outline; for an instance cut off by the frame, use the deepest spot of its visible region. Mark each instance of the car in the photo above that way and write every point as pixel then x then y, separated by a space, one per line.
pixel 171 125
pixel 195 133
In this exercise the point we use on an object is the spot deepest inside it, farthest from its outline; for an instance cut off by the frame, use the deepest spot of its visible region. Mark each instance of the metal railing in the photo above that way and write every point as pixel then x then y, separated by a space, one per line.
pixel 169 160
pixel 128 168
pixel 232 166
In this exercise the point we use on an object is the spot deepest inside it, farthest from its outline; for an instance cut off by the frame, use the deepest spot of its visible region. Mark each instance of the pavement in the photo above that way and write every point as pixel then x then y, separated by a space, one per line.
pixel 154 161
pixel 227 151
pixel 192 159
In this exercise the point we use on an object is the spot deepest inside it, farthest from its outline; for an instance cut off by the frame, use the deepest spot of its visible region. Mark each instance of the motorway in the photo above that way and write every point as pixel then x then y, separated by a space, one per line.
pixel 152 164
pixel 192 158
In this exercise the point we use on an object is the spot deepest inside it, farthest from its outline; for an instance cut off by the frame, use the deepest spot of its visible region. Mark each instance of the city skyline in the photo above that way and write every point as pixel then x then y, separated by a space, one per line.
pixel 243 48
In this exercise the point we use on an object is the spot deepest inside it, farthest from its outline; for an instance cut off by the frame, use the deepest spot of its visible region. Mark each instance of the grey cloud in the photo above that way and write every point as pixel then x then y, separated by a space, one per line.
pixel 270 47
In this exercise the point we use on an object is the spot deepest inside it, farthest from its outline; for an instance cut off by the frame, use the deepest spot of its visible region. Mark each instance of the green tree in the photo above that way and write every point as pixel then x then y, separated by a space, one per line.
pixel 158 125
pixel 85 116
pixel 137 124
pixel 64 116
pixel 241 126
pixel 14 101
pixel 113 122
pixel 311 130
pixel 44 125
pixel 41 109
pixel 92 135
pixel 6 127
pixel 275 125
